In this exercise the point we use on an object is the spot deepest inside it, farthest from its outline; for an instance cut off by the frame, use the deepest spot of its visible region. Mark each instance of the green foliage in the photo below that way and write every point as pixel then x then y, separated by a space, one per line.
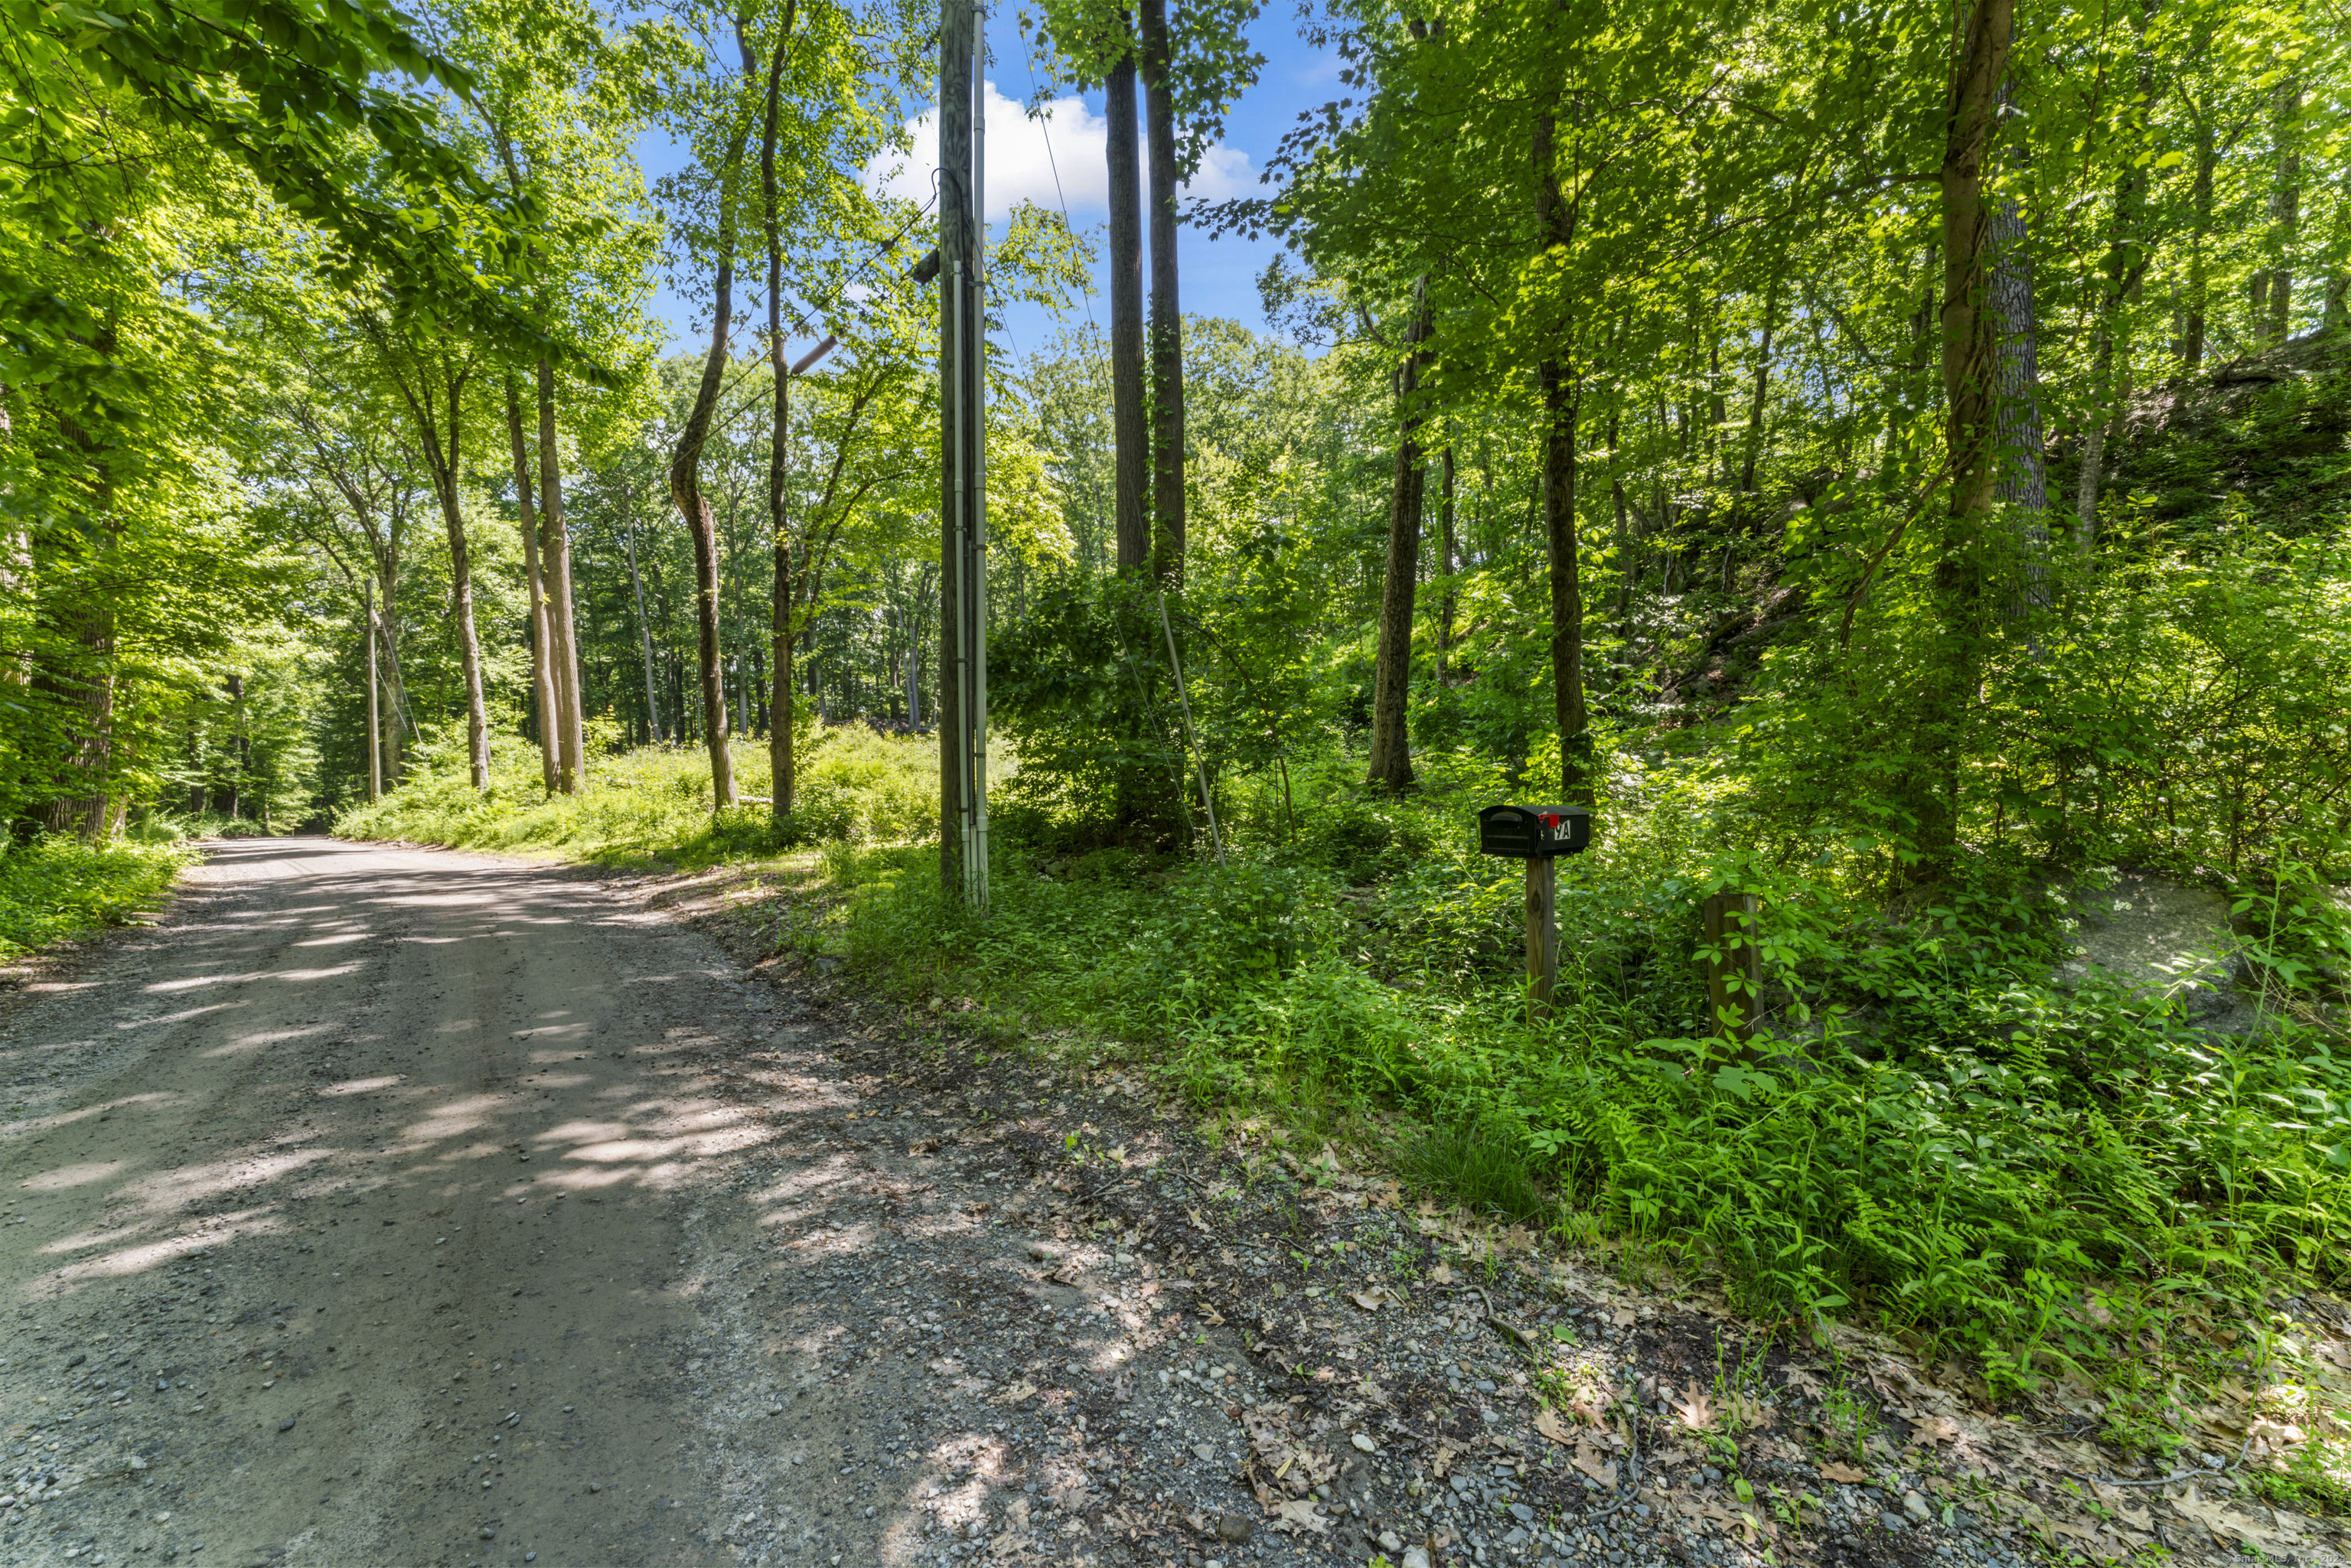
pixel 654 801
pixel 54 886
pixel 1490 1175
pixel 1939 1134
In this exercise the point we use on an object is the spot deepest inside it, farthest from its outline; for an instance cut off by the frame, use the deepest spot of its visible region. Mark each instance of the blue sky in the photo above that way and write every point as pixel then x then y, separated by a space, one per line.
pixel 1219 277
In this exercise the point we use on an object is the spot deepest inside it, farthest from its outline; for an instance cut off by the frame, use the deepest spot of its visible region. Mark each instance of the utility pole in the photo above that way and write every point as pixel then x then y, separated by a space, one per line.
pixel 963 449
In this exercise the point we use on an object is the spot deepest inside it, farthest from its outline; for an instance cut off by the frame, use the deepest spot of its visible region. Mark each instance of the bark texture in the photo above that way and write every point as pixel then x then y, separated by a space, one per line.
pixel 542 680
pixel 1391 760
pixel 1166 310
pixel 1130 437
pixel 555 542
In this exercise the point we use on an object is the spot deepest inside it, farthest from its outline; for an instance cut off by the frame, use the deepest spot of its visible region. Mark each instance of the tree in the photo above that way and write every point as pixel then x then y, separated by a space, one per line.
pixel 1391 760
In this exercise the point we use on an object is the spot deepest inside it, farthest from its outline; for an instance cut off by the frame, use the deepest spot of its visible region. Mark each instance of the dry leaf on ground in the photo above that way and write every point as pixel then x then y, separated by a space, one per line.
pixel 1844 1474
pixel 1695 1412
pixel 2227 1525
pixel 1548 1423
pixel 1299 1514
pixel 1588 1460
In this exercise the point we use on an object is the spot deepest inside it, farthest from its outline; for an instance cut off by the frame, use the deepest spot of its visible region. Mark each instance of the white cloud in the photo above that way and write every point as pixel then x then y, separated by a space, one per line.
pixel 1023 155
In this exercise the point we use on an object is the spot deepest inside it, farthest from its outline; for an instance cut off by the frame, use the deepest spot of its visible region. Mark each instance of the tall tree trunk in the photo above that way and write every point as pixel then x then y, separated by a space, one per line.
pixel 685 468
pixel 1167 312
pixel 1130 438
pixel 1972 374
pixel 783 787
pixel 1753 450
pixel 469 646
pixel 240 749
pixel 83 682
pixel 395 688
pixel 2193 330
pixel 2024 481
pixel 1555 373
pixel 542 680
pixel 441 432
pixel 1559 458
pixel 375 707
pixel 2126 264
pixel 2286 209
pixel 1628 555
pixel 1390 761
pixel 563 660
pixel 644 628
pixel 1449 556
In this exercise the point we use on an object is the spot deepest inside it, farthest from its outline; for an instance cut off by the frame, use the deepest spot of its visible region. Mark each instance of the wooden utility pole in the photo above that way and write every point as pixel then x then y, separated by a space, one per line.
pixel 962 451
pixel 375 724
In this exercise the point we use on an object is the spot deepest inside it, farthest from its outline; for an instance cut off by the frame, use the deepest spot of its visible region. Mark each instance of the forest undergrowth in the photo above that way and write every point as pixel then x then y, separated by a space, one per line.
pixel 54 887
pixel 2058 1182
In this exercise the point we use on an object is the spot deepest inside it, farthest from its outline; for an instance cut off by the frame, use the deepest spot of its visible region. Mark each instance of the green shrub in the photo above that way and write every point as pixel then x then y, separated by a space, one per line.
pixel 54 887
pixel 655 800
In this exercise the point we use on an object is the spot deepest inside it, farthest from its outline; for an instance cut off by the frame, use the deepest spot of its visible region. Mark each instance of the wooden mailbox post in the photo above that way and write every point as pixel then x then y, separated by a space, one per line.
pixel 1538 835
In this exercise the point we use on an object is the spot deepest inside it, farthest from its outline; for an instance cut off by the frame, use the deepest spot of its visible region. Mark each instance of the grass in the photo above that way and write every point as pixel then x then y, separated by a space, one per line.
pixel 2061 1183
pixel 54 887
pixel 655 802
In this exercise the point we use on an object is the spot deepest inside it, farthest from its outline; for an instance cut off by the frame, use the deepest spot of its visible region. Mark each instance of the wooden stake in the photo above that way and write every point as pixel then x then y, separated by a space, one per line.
pixel 1542 934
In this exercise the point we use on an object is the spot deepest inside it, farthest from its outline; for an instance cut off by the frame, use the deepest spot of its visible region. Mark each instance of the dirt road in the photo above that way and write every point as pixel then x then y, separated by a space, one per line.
pixel 389 1206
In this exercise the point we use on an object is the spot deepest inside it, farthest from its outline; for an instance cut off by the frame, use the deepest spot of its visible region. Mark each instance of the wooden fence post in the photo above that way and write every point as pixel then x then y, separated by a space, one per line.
pixel 1734 973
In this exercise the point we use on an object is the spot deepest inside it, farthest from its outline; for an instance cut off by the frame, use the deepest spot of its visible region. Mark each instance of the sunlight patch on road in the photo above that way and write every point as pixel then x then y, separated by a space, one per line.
pixel 360 1085
pixel 246 1045
pixel 216 1230
pixel 450 1121
pixel 194 981
pixel 65 1177
pixel 181 1017
pixel 168 1190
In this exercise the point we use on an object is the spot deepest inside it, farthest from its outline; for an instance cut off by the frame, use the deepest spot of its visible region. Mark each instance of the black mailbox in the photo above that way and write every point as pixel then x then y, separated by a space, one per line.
pixel 1534 832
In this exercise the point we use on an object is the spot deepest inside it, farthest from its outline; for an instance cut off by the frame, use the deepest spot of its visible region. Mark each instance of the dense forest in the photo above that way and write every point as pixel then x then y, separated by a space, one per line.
pixel 1893 462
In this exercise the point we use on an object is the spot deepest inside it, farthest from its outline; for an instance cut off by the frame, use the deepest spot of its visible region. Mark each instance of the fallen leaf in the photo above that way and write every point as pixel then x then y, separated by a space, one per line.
pixel 1750 1526
pixel 1844 1474
pixel 1800 1380
pixel 1209 1312
pixel 1696 1412
pixel 1940 1429
pixel 1441 1275
pixel 1623 1317
pixel 1548 1423
pixel 1374 1299
pixel 1299 1513
pixel 1588 1460
pixel 2226 1525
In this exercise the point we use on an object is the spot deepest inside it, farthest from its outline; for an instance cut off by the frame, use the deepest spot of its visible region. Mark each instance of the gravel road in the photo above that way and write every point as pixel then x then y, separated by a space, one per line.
pixel 388 1207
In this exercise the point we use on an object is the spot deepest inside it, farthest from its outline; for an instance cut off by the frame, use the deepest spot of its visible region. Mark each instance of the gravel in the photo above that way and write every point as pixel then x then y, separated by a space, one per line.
pixel 793 1277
